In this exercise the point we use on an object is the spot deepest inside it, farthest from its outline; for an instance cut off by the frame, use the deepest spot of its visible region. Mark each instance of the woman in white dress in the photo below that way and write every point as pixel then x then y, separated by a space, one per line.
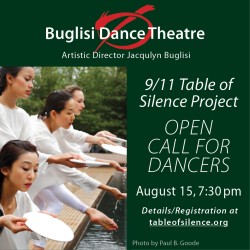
pixel 77 143
pixel 18 171
pixel 72 140
pixel 59 112
pixel 17 83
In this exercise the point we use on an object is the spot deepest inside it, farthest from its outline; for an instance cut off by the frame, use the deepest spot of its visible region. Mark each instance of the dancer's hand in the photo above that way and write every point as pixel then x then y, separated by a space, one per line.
pixel 97 217
pixel 64 159
pixel 117 166
pixel 99 140
pixel 14 223
pixel 104 133
pixel 117 193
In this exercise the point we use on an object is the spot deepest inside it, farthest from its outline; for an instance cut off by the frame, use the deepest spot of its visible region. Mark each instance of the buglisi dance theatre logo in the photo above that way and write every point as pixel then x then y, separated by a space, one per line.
pixel 120 31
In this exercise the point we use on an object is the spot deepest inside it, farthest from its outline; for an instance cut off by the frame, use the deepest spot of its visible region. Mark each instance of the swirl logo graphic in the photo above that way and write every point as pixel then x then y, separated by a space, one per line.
pixel 129 17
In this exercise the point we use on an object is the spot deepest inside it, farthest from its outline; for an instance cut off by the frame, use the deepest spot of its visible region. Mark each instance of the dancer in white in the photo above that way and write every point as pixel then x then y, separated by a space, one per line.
pixel 16 83
pixel 18 170
pixel 72 140
pixel 59 112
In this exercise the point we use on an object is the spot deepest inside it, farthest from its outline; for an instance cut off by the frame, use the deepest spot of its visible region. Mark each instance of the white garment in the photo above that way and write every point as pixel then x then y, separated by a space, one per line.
pixel 47 201
pixel 56 174
pixel 11 241
pixel 15 124
pixel 71 140
pixel 62 194
pixel 86 147
pixel 52 198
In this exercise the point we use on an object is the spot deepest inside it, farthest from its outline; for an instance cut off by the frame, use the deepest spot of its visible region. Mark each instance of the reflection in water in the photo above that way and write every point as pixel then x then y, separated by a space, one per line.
pixel 98 238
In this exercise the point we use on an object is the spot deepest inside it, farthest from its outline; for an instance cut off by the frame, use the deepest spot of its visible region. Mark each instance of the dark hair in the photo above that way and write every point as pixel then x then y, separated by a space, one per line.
pixel 72 88
pixel 56 100
pixel 1 214
pixel 3 72
pixel 10 152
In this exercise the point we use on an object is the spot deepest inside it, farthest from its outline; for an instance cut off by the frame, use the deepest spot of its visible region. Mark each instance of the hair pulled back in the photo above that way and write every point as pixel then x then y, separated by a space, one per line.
pixel 56 100
pixel 3 72
pixel 72 88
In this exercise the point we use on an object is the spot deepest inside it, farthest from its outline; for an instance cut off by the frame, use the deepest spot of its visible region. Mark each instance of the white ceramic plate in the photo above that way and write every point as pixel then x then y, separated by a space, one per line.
pixel 112 138
pixel 90 163
pixel 48 226
pixel 115 149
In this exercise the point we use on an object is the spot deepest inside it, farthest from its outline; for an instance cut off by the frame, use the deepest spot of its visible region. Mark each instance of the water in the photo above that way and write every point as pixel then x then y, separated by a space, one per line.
pixel 98 238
